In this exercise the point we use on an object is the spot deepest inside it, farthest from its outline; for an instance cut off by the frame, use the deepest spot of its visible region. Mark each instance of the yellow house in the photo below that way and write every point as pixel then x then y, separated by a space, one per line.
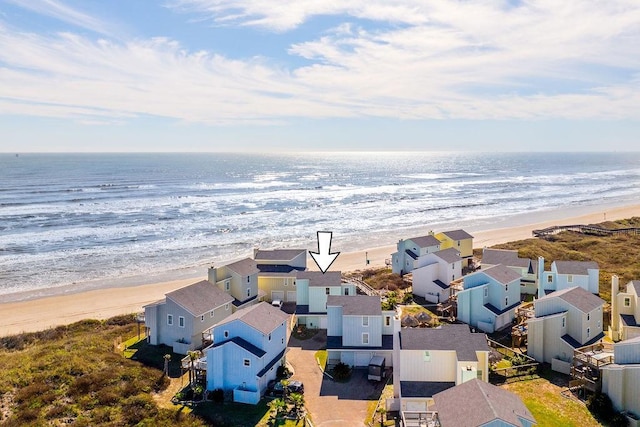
pixel 278 268
pixel 459 240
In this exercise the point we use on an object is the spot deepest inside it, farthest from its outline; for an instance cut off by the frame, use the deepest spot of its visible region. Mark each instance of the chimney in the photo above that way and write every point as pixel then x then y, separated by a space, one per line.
pixel 212 275
pixel 615 289
pixel 397 327
pixel 255 252
pixel 540 277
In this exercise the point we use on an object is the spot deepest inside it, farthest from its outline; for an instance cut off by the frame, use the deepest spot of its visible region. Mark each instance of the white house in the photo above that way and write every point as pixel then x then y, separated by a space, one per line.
pixel 566 274
pixel 180 319
pixel 313 288
pixel 526 267
pixel 238 279
pixel 278 268
pixel 489 298
pixel 564 321
pixel 358 329
pixel 247 349
pixel 432 277
pixel 625 310
pixel 621 380
pixel 477 403
pixel 409 251
pixel 430 360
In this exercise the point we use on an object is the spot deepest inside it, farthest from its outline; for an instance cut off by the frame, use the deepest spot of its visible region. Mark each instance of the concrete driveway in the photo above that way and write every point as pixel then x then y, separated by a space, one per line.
pixel 330 403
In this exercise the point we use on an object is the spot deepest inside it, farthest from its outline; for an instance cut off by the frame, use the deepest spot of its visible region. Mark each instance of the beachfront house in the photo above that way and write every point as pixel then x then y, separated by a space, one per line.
pixel 358 330
pixel 564 320
pixel 313 288
pixel 489 298
pixel 459 240
pixel 477 403
pixel 526 267
pixel 184 314
pixel 428 361
pixel 621 380
pixel 409 251
pixel 238 279
pixel 247 349
pixel 431 280
pixel 566 274
pixel 625 310
pixel 277 272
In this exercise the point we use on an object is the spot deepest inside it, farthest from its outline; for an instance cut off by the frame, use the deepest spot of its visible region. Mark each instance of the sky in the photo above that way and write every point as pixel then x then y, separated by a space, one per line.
pixel 319 75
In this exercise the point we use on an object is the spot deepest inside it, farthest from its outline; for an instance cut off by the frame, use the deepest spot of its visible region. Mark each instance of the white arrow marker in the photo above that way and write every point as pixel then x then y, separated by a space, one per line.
pixel 324 258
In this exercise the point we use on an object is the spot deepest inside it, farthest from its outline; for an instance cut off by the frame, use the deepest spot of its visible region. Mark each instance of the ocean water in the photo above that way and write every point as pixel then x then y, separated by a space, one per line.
pixel 95 220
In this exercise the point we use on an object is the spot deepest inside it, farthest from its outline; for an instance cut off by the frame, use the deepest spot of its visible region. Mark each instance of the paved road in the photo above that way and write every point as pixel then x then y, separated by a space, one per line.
pixel 330 403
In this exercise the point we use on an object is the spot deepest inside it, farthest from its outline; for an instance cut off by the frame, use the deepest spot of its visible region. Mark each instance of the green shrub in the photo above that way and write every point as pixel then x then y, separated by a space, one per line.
pixel 217 395
pixel 341 371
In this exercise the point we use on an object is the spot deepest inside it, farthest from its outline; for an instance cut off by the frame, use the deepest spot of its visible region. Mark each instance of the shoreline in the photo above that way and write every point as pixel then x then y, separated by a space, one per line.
pixel 42 312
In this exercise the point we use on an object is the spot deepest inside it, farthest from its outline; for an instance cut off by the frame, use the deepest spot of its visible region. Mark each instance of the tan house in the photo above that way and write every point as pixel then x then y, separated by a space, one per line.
pixel 278 269
pixel 625 310
pixel 238 279
pixel 621 380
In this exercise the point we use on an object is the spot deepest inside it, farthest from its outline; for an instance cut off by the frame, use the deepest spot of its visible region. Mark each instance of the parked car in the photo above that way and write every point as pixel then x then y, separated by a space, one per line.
pixel 277 303
pixel 296 387
pixel 276 388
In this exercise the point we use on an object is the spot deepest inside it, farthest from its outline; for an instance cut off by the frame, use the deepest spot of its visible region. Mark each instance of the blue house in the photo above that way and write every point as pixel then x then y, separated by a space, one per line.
pixel 489 298
pixel 358 330
pixel 313 288
pixel 247 349
pixel 409 251
pixel 567 274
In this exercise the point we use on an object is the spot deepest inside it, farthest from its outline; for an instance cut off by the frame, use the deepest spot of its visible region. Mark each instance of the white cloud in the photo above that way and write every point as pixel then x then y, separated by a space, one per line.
pixel 466 60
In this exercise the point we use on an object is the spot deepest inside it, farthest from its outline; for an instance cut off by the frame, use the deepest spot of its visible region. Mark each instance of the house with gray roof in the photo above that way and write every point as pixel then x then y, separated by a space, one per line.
pixel 564 321
pixel 489 298
pixel 621 379
pixel 278 269
pixel 312 290
pixel 625 310
pixel 409 251
pixel 435 272
pixel 180 319
pixel 240 280
pixel 428 361
pixel 566 274
pixel 477 403
pixel 358 329
pixel 460 240
pixel 247 349
pixel 526 267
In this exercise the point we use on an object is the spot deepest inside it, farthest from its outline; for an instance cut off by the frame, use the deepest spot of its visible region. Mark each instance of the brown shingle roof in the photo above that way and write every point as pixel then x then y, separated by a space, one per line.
pixel 502 274
pixel 284 255
pixel 474 403
pixel 575 267
pixel 457 235
pixel 578 297
pixel 425 241
pixel 262 317
pixel 200 297
pixel 356 305
pixel 449 255
pixel 505 257
pixel 317 278
pixel 244 267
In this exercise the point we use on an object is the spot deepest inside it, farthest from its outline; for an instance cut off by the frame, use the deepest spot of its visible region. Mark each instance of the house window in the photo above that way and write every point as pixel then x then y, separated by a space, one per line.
pixel 588 316
pixel 202 318
pixel 246 362
pixel 627 302
pixel 549 279
pixel 365 338
pixel 269 337
pixel 426 356
pixel 226 306
pixel 564 322
pixel 181 321
pixel 506 301
pixel 286 282
pixel 282 341
pixel 294 283
pixel 227 285
pixel 588 332
pixel 226 334
pixel 387 320
pixel 458 243
pixel 506 288
pixel 170 319
pixel 211 313
pixel 486 292
pixel 570 278
pixel 453 266
pixel 248 279
pixel 346 291
pixel 365 320
pixel 248 292
pixel 326 291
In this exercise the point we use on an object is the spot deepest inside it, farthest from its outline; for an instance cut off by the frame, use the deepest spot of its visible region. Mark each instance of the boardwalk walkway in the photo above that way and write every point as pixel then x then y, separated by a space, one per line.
pixel 362 286
pixel 584 229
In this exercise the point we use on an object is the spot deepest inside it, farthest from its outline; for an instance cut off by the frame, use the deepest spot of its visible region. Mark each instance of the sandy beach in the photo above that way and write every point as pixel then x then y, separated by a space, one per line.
pixel 42 313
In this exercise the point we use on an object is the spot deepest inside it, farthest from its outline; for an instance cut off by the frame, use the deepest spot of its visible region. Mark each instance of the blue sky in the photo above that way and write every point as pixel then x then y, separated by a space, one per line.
pixel 257 75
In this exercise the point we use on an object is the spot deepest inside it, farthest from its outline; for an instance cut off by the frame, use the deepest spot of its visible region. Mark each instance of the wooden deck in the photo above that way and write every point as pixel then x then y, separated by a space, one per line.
pixel 584 229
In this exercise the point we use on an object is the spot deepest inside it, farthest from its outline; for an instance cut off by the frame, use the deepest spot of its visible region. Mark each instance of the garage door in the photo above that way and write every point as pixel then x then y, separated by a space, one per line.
pixel 291 295
pixel 277 295
pixel 323 322
pixel 363 358
pixel 347 357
